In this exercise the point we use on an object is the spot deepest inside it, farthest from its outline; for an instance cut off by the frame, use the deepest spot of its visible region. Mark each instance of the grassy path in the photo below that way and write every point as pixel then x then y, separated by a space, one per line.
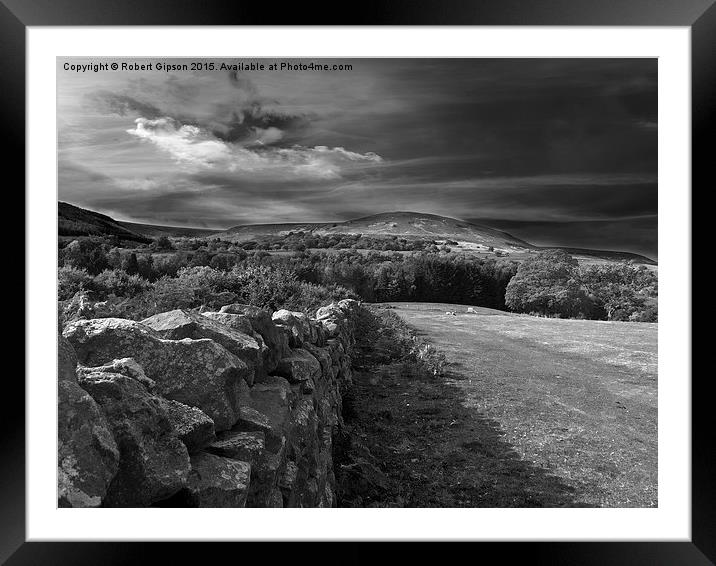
pixel 573 401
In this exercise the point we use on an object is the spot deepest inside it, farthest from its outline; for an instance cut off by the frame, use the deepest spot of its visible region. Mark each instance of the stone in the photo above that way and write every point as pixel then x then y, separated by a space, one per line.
pixel 297 323
pixel 242 323
pixel 66 360
pixel 87 455
pixel 153 462
pixel 216 481
pixel 252 420
pixel 245 446
pixel 331 329
pixel 288 476
pixel 193 427
pixel 299 366
pixel 272 397
pixel 275 499
pixel 97 341
pixel 261 322
pixel 238 322
pixel 124 366
pixel 199 373
pixel 326 312
pixel 322 355
pixel 179 324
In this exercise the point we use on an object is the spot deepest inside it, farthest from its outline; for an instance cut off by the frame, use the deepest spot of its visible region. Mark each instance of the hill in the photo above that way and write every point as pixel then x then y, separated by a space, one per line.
pixel 154 230
pixel 75 221
pixel 470 237
pixel 408 225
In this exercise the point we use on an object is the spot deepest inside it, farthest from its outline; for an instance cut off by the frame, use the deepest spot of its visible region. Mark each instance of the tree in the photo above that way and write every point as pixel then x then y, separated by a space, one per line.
pixel 624 291
pixel 163 243
pixel 548 283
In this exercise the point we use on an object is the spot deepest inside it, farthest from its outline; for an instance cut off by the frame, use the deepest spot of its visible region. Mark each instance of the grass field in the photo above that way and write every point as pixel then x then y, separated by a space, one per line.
pixel 568 406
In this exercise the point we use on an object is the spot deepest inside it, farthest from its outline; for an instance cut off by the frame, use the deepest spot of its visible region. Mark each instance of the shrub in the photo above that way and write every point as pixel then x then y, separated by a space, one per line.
pixel 119 283
pixel 88 253
pixel 71 281
pixel 163 243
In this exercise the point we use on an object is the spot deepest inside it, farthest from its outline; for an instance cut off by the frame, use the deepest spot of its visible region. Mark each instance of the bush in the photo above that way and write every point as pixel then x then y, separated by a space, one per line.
pixel 71 281
pixel 119 283
pixel 163 243
pixel 88 253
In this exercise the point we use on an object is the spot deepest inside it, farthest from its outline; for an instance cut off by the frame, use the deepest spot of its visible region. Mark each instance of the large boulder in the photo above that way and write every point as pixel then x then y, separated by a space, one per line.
pixel 87 455
pixel 200 373
pixel 179 324
pixel 216 481
pixel 153 462
pixel 101 340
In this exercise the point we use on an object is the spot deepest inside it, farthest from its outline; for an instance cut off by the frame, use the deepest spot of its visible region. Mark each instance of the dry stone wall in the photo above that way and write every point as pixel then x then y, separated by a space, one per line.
pixel 214 409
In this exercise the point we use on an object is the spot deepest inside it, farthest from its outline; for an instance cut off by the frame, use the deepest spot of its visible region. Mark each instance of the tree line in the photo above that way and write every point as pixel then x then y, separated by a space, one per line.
pixel 189 272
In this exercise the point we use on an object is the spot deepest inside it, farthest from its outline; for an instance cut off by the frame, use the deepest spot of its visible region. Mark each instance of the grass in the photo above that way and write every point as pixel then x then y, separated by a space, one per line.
pixel 531 412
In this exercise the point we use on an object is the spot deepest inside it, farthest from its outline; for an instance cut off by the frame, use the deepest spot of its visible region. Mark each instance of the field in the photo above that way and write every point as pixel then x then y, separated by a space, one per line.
pixel 533 412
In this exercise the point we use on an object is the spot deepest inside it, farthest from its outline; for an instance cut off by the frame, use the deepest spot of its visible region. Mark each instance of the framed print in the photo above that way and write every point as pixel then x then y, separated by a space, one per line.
pixel 424 275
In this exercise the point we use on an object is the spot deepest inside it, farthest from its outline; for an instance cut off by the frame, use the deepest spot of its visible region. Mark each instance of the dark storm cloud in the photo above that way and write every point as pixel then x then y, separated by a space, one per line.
pixel 122 104
pixel 242 119
pixel 245 122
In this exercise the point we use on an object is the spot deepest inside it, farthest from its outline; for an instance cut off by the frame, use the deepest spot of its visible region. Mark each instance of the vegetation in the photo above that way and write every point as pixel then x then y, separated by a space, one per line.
pixel 535 412
pixel 553 284
pixel 193 272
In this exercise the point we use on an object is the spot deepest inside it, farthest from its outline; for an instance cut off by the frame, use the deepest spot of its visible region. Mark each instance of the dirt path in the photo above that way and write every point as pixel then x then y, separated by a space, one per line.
pixel 532 413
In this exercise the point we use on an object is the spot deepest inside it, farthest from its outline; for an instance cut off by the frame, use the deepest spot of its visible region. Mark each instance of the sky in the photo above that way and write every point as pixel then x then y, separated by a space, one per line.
pixel 554 151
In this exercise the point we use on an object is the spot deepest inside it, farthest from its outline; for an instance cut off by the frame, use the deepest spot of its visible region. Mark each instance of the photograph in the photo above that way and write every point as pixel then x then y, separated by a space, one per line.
pixel 375 282
pixel 357 282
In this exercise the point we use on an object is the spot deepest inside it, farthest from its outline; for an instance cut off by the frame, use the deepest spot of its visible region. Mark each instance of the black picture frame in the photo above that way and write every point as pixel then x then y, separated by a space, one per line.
pixel 699 15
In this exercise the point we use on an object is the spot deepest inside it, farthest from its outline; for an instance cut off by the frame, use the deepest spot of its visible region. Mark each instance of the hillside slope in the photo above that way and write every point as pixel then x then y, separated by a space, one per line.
pixel 408 225
pixel 154 230
pixel 75 221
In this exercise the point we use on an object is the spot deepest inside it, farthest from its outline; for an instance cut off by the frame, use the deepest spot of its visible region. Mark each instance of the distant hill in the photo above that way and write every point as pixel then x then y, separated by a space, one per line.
pixel 154 231
pixel 402 224
pixel 75 221
pixel 476 237
pixel 609 255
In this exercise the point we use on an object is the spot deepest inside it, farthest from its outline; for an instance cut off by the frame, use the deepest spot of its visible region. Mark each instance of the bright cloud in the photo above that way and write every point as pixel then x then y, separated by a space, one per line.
pixel 198 148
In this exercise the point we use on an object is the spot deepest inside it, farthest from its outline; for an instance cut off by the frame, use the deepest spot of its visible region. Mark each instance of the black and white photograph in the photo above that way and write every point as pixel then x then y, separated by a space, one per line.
pixel 360 282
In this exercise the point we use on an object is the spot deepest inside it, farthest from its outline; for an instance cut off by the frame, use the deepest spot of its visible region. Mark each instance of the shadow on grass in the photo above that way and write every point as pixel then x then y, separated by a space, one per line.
pixel 435 452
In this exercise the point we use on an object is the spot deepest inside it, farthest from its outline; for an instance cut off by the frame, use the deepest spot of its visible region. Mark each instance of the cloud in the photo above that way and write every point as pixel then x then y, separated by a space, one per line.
pixel 122 104
pixel 197 148
pixel 234 114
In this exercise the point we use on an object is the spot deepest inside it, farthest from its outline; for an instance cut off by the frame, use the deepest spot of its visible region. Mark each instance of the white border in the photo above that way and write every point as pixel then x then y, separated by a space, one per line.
pixel 671 521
